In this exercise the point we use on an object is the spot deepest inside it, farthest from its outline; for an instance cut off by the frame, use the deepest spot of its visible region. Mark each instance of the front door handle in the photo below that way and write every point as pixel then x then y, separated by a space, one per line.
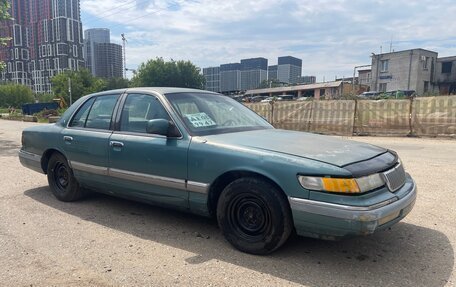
pixel 67 138
pixel 116 144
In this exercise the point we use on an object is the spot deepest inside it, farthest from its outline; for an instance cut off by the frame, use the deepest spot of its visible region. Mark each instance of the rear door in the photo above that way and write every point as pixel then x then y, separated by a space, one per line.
pixel 147 166
pixel 86 140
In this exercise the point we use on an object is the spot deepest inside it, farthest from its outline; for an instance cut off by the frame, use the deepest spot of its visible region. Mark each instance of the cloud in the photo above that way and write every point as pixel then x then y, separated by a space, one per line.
pixel 330 36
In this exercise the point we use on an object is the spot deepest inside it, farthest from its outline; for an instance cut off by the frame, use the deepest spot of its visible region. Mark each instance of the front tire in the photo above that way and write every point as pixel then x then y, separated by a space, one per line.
pixel 254 216
pixel 61 180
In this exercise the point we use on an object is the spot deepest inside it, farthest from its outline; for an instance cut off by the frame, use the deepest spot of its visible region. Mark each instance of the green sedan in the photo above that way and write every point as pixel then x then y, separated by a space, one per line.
pixel 205 153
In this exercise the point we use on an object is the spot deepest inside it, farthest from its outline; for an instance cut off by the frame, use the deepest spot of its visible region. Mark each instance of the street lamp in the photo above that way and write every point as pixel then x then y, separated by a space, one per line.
pixel 69 90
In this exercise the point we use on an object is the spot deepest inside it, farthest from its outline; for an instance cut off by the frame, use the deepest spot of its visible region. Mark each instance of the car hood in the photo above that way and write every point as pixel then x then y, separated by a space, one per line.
pixel 322 148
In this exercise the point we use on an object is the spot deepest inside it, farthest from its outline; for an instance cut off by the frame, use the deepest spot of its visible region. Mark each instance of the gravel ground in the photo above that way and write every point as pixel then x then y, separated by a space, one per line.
pixel 105 241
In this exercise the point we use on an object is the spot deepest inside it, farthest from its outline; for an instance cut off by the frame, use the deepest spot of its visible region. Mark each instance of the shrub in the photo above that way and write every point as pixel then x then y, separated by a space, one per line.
pixel 47 113
pixel 13 95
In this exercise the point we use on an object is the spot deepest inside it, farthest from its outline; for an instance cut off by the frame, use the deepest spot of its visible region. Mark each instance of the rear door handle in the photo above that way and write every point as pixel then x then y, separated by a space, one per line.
pixel 116 144
pixel 67 138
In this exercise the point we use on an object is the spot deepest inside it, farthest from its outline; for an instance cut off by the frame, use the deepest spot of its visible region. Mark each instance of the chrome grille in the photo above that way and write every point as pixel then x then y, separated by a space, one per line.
pixel 395 177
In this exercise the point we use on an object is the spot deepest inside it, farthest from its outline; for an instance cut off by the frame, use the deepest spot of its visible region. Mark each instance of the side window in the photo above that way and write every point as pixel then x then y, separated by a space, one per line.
pixel 81 116
pixel 101 112
pixel 138 110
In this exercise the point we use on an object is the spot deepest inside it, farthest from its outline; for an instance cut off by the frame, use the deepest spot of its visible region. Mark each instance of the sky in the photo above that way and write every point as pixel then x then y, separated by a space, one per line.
pixel 331 37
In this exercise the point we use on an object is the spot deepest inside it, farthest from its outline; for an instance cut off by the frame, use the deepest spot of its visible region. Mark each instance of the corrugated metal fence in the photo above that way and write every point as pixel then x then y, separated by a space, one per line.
pixel 434 116
pixel 430 116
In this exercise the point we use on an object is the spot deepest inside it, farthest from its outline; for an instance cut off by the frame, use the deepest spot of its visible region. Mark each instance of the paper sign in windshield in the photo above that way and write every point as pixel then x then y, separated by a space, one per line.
pixel 200 120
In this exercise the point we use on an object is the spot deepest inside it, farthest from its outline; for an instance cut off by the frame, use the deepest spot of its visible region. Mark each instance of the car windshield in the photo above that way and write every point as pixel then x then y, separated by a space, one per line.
pixel 208 114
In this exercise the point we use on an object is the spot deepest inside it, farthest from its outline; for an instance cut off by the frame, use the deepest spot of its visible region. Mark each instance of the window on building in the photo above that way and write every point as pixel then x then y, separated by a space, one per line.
pixel 75 51
pixel 382 87
pixel 426 86
pixel 446 67
pixel 24 54
pixel 384 65
pixel 57 64
pixel 425 63
pixel 19 66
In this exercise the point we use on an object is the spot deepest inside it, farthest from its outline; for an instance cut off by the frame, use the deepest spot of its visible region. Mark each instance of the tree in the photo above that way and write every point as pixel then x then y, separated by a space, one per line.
pixel 4 16
pixel 117 83
pixel 82 83
pixel 44 97
pixel 14 95
pixel 159 73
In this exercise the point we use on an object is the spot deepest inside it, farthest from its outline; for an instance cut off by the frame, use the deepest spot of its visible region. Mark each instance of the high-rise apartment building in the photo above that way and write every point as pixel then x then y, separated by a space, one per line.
pixel 46 40
pixel 91 37
pixel 253 72
pixel 272 72
pixel 289 69
pixel 103 58
pixel 212 76
pixel 17 53
pixel 230 78
pixel 108 60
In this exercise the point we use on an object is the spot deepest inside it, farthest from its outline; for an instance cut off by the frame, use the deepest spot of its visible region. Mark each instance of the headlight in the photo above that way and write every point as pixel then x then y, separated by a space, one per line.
pixel 342 185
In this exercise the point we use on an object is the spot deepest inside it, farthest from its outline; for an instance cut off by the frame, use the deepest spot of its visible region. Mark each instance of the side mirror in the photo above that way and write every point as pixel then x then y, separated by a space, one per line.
pixel 162 127
pixel 158 127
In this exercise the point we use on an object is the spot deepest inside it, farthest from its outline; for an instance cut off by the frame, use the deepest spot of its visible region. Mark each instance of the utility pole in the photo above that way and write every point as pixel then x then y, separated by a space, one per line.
pixel 124 41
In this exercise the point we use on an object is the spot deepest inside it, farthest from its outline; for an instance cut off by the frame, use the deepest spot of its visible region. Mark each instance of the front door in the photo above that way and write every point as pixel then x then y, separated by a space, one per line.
pixel 146 166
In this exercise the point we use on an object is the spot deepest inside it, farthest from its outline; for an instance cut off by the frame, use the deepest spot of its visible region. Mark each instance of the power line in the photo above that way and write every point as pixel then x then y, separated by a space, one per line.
pixel 114 8
pixel 104 15
pixel 175 4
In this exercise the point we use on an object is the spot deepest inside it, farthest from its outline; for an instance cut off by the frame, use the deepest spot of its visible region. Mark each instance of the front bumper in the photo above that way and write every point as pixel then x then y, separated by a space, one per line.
pixel 30 160
pixel 331 221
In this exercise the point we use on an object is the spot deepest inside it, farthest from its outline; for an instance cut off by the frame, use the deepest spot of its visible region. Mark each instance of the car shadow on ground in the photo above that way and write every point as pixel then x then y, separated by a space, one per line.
pixel 405 255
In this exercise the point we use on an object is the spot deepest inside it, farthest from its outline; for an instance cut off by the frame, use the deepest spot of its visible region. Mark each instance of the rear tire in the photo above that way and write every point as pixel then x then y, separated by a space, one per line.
pixel 61 180
pixel 254 216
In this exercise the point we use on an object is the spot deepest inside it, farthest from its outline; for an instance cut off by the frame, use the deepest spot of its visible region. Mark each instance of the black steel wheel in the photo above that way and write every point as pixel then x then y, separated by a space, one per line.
pixel 249 216
pixel 61 176
pixel 254 215
pixel 61 180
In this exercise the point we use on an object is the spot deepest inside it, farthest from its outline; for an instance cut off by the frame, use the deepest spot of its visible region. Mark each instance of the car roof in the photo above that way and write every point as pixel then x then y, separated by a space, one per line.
pixel 159 90
pixel 168 90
